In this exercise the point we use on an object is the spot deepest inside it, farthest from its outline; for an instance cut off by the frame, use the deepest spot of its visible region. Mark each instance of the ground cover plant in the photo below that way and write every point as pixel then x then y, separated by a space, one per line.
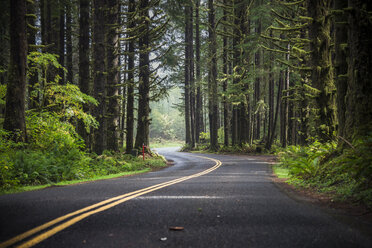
pixel 344 173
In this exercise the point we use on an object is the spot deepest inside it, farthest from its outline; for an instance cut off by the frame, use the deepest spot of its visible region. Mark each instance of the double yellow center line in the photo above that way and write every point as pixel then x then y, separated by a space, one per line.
pixel 93 209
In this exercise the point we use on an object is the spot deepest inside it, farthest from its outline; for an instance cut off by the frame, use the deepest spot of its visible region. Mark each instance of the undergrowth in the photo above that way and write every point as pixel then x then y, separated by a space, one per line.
pixel 346 173
pixel 42 162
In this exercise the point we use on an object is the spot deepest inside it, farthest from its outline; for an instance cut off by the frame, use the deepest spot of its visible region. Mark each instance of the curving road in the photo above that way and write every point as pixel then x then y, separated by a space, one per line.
pixel 218 201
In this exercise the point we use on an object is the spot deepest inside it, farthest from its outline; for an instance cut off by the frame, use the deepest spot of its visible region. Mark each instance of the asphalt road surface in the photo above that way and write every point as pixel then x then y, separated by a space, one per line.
pixel 216 201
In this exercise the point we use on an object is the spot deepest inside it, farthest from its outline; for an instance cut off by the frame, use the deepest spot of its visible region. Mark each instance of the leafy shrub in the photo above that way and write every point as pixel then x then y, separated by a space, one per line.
pixel 345 172
pixel 303 162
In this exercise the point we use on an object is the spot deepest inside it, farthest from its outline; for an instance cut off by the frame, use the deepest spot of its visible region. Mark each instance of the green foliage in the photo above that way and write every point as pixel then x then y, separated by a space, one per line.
pixel 303 162
pixel 347 173
pixel 64 101
pixel 47 131
pixel 2 94
pixel 20 167
pixel 67 102
pixel 204 137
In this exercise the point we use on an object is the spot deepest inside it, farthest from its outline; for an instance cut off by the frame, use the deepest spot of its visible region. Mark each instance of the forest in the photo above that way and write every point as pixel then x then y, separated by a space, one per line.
pixel 85 84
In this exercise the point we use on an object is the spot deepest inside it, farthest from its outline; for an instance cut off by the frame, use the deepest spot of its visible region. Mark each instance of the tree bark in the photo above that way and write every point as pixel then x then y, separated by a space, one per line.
pixel 143 120
pixel 257 86
pixel 283 108
pixel 235 126
pixel 359 93
pixel 84 76
pixel 31 41
pixel 130 94
pixel 190 43
pixel 212 78
pixel 270 130
pixel 226 121
pixel 99 74
pixel 187 75
pixel 69 76
pixel 340 64
pixel 322 70
pixel 16 89
pixel 112 56
pixel 199 124
pixel 61 42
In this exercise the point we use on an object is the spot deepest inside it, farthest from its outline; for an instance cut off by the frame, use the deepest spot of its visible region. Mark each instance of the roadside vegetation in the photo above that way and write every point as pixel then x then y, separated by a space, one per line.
pixel 54 152
pixel 345 174
pixel 56 155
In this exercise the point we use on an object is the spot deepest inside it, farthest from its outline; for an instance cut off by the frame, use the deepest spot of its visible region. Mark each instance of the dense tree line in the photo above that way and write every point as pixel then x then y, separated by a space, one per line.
pixel 108 48
pixel 259 72
pixel 279 71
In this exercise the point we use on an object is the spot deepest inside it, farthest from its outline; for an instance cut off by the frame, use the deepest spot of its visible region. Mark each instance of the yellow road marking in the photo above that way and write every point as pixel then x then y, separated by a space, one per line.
pixel 87 211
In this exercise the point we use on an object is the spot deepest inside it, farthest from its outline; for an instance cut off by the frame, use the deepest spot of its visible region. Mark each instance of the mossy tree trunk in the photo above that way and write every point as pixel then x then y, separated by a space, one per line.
pixel 237 16
pixel 113 80
pixel 69 63
pixel 61 40
pixel 187 74
pixel 143 120
pixel 226 120
pixel 84 76
pixel 16 89
pixel 358 117
pixel 31 41
pixel 199 124
pixel 340 64
pixel 321 64
pixel 212 78
pixel 99 74
pixel 130 88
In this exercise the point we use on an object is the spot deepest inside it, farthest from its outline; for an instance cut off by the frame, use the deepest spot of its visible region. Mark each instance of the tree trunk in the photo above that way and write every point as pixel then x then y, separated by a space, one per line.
pixel 322 70
pixel 283 108
pixel 225 65
pixel 112 56
pixel 130 94
pixel 199 127
pixel 143 120
pixel 4 44
pixel 278 104
pixel 61 42
pixel 99 74
pixel 212 78
pixel 190 42
pixel 257 85
pixel 340 64
pixel 69 77
pixel 236 65
pixel 84 77
pixel 359 92
pixel 31 41
pixel 16 89
pixel 187 75
pixel 271 100
pixel 304 103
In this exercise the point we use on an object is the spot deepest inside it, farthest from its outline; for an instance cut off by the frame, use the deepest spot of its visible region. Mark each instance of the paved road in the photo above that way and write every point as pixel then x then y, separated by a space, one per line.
pixel 234 205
